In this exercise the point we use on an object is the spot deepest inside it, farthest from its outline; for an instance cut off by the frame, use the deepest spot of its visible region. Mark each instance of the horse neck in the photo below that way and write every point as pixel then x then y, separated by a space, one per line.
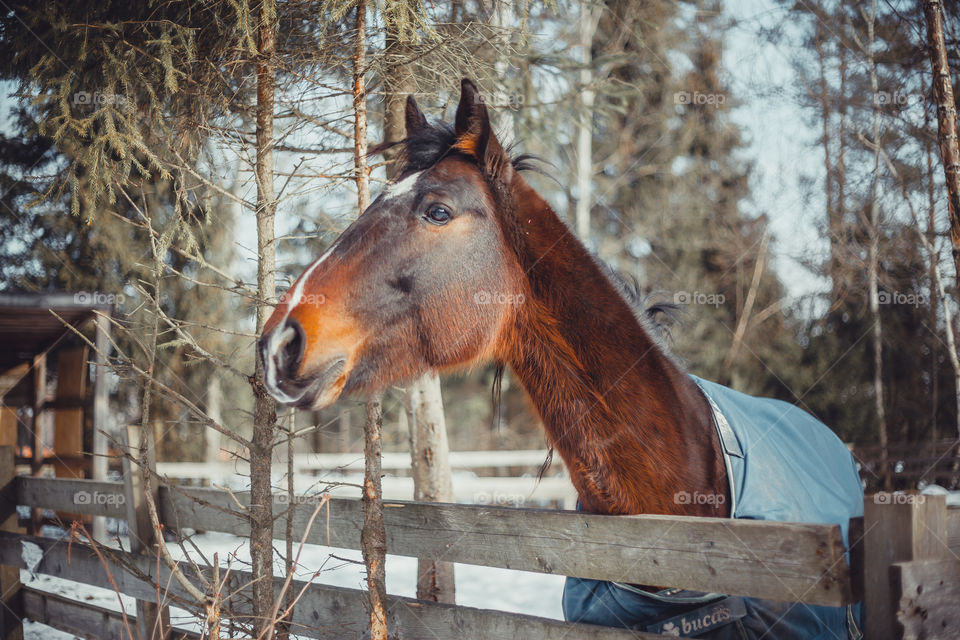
pixel 633 429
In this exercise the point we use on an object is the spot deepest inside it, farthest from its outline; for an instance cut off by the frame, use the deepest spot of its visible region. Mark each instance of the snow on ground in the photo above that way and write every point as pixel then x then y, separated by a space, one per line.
pixel 482 587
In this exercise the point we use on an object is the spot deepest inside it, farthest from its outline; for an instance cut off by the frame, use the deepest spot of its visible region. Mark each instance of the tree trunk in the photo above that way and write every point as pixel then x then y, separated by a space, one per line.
pixel 429 452
pixel 934 302
pixel 874 258
pixel 588 26
pixel 265 409
pixel 214 401
pixel 430 457
pixel 834 224
pixel 503 21
pixel 946 120
pixel 373 536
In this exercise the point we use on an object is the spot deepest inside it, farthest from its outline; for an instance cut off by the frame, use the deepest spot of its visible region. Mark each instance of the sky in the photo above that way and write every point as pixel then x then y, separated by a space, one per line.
pixel 781 145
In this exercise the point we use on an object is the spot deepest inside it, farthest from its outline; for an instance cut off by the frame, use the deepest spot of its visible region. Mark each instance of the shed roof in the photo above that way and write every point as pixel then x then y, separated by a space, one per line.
pixel 28 326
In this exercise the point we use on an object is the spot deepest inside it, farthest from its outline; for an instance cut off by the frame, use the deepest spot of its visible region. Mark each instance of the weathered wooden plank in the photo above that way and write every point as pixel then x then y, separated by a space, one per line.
pixel 100 414
pixel 324 612
pixel 928 593
pixel 71 384
pixel 88 497
pixel 83 619
pixel 400 460
pixel 953 530
pixel 897 528
pixel 11 591
pixel 780 561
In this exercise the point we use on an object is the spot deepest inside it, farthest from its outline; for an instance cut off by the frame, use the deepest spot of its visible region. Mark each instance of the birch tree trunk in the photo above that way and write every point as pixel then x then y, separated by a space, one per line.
pixel 422 400
pixel 833 223
pixel 214 401
pixel 933 270
pixel 946 120
pixel 265 409
pixel 874 254
pixel 502 19
pixel 430 458
pixel 373 536
pixel 588 26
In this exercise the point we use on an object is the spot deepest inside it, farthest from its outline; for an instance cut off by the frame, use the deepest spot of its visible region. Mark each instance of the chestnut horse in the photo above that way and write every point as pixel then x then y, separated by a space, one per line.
pixel 460 262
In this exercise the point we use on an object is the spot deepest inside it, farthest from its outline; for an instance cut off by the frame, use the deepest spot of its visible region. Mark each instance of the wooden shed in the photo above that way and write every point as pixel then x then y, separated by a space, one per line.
pixel 53 401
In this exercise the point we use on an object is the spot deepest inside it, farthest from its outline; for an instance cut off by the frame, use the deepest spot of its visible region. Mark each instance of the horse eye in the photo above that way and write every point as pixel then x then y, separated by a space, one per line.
pixel 438 214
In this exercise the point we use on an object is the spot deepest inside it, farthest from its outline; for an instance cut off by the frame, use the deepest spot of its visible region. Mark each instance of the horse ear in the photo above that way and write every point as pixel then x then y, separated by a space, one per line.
pixel 475 136
pixel 414 118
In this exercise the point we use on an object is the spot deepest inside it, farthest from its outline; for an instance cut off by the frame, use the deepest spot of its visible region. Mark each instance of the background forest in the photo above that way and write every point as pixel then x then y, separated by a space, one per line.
pixel 766 165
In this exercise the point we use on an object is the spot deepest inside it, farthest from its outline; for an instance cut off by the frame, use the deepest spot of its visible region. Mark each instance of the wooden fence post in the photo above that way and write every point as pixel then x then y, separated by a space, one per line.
pixel 11 595
pixel 38 427
pixel 101 408
pixel 153 620
pixel 897 528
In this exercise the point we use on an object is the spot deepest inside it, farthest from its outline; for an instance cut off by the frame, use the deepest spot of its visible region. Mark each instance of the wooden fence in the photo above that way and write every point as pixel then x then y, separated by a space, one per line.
pixel 909 463
pixel 505 478
pixel 903 561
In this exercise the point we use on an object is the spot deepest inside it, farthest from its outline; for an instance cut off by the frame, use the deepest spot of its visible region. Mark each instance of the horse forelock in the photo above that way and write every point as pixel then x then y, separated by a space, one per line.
pixel 429 145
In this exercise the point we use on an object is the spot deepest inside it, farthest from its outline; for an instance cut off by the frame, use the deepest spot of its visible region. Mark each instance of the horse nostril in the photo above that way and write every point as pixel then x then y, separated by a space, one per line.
pixel 290 352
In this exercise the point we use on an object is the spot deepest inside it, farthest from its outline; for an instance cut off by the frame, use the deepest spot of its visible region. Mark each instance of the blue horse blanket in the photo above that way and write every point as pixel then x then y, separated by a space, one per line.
pixel 783 464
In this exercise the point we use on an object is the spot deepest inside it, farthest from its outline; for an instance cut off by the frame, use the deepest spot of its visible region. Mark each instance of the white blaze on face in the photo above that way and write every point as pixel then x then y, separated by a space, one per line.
pixel 283 334
pixel 402 188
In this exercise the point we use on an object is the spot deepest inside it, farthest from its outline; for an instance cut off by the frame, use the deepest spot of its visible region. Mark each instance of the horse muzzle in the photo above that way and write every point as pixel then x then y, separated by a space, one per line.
pixel 282 353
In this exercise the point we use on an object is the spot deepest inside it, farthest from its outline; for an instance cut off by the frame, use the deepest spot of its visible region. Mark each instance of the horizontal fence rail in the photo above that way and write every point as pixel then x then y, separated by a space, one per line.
pixel 773 560
pixel 82 618
pixel 323 611
pixel 400 460
pixel 504 490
